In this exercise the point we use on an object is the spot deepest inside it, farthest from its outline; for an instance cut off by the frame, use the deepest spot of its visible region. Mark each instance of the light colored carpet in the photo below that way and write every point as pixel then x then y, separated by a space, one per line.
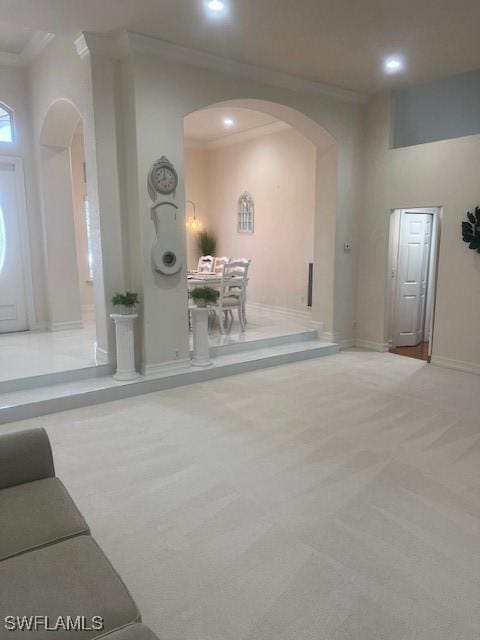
pixel 334 499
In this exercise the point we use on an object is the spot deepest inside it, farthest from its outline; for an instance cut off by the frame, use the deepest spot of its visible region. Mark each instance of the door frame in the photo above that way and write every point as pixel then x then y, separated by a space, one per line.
pixel 391 299
pixel 24 236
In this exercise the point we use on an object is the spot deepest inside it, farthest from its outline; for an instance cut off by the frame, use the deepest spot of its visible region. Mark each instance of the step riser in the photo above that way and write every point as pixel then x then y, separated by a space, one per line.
pixel 262 343
pixel 98 396
pixel 35 382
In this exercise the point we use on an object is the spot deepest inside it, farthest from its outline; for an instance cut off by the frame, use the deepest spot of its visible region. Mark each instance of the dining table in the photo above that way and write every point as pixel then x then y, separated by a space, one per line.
pixel 203 278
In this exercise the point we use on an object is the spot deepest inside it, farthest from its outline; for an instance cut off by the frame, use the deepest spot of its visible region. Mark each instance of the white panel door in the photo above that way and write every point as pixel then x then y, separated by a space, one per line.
pixel 412 278
pixel 13 309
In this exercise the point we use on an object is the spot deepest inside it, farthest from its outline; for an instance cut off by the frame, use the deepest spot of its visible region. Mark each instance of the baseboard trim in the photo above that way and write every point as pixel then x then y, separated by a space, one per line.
pixel 294 313
pixel 65 326
pixel 101 355
pixel 39 326
pixel 458 365
pixel 164 368
pixel 332 336
pixel 371 345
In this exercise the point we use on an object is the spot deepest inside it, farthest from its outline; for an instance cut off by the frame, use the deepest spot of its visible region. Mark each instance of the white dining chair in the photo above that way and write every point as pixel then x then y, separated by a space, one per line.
pixel 242 262
pixel 233 291
pixel 205 264
pixel 220 262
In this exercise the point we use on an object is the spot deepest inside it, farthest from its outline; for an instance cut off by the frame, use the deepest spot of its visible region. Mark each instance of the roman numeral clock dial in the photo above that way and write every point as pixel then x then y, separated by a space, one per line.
pixel 162 178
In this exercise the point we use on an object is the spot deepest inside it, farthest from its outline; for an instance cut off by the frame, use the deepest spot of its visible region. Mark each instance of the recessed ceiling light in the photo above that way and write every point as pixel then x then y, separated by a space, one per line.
pixel 393 64
pixel 228 122
pixel 216 5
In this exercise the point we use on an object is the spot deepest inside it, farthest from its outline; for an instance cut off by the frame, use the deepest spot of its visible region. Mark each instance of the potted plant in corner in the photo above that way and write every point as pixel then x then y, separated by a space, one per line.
pixel 124 333
pixel 203 295
pixel 207 243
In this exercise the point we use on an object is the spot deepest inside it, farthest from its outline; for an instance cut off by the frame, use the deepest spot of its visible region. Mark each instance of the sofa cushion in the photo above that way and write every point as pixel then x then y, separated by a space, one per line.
pixel 70 578
pixel 35 514
pixel 25 456
pixel 135 631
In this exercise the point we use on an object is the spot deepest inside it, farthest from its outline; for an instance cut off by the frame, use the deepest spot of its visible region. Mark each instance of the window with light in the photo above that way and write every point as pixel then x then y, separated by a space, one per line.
pixel 7 133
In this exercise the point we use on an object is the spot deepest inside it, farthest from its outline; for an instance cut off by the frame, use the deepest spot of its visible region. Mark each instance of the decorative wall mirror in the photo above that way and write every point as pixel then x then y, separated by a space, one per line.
pixel 246 213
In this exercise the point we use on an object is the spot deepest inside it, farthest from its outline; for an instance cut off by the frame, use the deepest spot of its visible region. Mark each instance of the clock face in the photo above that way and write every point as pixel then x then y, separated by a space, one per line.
pixel 165 179
pixel 162 178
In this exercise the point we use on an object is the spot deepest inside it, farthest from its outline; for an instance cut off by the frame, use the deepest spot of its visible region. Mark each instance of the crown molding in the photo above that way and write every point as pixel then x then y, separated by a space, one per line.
pixel 122 44
pixel 31 50
pixel 36 45
pixel 115 47
pixel 239 137
pixel 194 57
pixel 248 134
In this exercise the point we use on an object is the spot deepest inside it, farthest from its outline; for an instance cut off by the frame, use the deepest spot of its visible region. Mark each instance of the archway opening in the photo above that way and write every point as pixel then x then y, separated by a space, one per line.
pixel 260 179
pixel 69 258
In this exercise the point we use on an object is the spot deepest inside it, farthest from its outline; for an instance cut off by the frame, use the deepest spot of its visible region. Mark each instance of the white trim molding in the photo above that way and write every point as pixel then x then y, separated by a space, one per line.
pixel 371 345
pixel 344 342
pixel 65 326
pixel 31 50
pixel 24 236
pixel 124 43
pixel 458 365
pixel 249 134
pixel 294 313
pixel 165 368
pixel 101 355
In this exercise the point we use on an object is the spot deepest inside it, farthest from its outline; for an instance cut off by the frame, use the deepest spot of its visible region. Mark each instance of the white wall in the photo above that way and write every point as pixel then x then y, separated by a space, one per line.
pixel 79 190
pixel 198 190
pixel 14 93
pixel 60 73
pixel 441 174
pixel 278 169
pixel 166 91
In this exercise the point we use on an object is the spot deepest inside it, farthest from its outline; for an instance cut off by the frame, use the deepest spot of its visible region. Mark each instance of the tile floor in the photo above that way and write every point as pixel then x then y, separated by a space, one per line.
pixel 32 353
pixel 262 323
pixel 333 499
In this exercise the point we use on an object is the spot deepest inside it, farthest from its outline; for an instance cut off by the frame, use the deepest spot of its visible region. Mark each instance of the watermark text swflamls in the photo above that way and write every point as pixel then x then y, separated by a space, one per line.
pixel 60 623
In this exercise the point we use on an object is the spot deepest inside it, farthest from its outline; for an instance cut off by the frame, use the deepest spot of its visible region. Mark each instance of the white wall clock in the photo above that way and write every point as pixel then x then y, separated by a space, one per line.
pixel 162 178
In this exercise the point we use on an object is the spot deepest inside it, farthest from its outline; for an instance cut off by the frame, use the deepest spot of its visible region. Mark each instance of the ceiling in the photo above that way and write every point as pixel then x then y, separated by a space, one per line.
pixel 207 125
pixel 340 42
pixel 14 38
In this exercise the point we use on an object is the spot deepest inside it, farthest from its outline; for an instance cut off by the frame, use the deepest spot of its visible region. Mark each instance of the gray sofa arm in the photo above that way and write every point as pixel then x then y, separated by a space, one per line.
pixel 25 456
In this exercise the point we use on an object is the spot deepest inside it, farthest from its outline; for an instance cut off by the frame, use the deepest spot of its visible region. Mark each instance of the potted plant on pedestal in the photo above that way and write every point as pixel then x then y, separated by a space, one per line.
pixel 126 301
pixel 203 295
pixel 124 333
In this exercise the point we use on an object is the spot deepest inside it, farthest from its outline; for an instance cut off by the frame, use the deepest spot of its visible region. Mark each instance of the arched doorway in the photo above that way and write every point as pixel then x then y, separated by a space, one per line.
pixel 319 248
pixel 69 234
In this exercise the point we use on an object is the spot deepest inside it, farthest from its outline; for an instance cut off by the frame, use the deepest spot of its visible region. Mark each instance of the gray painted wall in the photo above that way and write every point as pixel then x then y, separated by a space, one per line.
pixel 448 108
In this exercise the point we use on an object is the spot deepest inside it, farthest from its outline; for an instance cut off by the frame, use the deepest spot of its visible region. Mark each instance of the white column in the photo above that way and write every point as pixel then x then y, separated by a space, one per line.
pixel 125 339
pixel 201 354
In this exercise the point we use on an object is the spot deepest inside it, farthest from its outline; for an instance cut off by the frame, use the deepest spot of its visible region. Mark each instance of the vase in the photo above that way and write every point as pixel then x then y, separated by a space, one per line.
pixel 125 342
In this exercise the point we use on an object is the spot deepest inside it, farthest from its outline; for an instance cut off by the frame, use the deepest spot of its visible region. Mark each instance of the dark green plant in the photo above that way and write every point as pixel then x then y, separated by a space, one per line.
pixel 204 293
pixel 129 300
pixel 471 230
pixel 207 243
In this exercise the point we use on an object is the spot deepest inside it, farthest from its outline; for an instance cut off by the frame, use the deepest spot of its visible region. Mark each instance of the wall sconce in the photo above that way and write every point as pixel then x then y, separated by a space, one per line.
pixel 193 224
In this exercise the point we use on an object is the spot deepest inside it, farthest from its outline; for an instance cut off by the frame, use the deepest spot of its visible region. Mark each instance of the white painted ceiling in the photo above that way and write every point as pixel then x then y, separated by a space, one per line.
pixel 207 125
pixel 340 42
pixel 14 38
